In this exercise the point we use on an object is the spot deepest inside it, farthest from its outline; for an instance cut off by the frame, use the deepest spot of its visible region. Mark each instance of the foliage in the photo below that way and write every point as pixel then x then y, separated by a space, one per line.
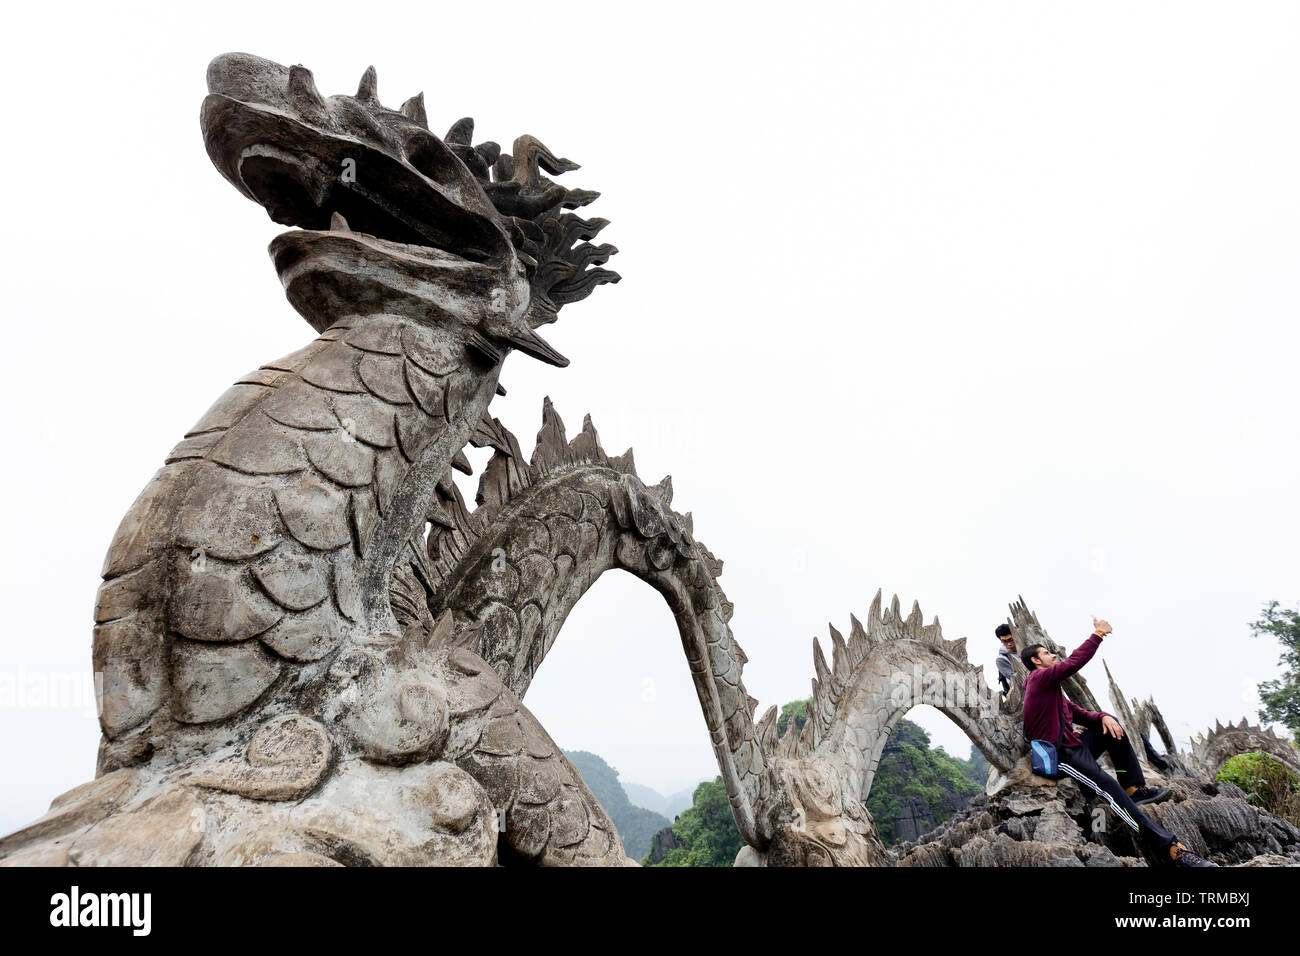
pixel 912 775
pixel 1268 783
pixel 706 830
pixel 796 710
pixel 636 825
pixel 1281 697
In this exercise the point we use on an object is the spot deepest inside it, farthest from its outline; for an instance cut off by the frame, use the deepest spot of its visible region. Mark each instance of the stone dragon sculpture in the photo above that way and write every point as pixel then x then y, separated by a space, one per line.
pixel 313 651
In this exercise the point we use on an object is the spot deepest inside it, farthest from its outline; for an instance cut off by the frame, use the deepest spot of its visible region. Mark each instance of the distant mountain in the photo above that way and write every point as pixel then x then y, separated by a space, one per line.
pixel 652 799
pixel 647 797
pixel 636 825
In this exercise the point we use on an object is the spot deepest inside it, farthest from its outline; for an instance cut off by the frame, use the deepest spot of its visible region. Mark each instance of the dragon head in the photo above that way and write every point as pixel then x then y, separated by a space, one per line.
pixel 391 218
pixel 808 820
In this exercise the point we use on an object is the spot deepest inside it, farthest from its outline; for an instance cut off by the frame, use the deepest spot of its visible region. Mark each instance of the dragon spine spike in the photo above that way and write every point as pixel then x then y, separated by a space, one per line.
pixel 839 655
pixel 664 489
pixel 302 89
pixel 765 731
pixel 895 611
pixel 824 673
pixel 625 463
pixel 551 439
pixel 914 620
pixel 787 745
pixel 873 612
pixel 368 88
pixel 413 109
pixel 859 643
pixel 585 446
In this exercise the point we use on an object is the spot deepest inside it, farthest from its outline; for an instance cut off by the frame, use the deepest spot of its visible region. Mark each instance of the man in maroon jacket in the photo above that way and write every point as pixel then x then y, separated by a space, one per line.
pixel 1050 715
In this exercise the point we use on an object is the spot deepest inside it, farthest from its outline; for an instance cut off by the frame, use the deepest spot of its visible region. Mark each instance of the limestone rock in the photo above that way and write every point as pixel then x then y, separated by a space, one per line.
pixel 164 831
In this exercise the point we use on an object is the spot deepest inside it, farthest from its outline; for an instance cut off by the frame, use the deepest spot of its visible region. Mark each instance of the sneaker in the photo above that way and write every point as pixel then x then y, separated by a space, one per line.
pixel 1149 795
pixel 1185 857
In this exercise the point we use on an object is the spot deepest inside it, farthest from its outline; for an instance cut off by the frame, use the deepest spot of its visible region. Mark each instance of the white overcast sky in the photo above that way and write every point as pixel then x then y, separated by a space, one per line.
pixel 962 301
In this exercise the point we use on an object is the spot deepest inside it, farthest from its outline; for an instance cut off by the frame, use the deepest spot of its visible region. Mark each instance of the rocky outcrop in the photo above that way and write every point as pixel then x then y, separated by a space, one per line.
pixel 663 843
pixel 1024 820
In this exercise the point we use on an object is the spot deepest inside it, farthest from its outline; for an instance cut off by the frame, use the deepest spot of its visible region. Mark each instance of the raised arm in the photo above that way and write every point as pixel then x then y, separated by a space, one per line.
pixel 1063 669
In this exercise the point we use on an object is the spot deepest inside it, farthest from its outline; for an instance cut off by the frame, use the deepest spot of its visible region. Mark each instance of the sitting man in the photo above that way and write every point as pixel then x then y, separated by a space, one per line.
pixel 1005 653
pixel 1050 715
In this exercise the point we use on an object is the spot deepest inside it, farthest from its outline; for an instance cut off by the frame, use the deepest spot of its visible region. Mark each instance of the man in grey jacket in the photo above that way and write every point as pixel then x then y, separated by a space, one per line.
pixel 1005 656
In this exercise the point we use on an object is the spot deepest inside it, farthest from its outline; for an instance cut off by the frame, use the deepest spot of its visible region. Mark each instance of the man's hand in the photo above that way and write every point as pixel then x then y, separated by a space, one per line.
pixel 1100 627
pixel 1109 725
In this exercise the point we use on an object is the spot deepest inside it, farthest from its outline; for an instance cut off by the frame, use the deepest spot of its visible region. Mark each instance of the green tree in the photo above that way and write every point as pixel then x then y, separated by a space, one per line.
pixel 1281 697
pixel 796 710
pixel 910 773
pixel 706 829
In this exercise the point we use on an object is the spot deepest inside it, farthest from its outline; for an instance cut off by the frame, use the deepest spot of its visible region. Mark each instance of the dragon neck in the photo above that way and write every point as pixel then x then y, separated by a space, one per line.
pixel 545 531
pixel 435 388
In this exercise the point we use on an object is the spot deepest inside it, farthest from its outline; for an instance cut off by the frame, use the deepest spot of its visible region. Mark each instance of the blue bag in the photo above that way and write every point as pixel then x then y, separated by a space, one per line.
pixel 1044 758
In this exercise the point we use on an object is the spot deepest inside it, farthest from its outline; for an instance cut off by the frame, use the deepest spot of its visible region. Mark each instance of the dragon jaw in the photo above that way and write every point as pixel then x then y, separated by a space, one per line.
pixel 389 217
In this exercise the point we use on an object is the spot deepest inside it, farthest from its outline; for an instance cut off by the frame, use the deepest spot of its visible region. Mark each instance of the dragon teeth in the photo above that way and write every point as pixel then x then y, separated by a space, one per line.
pixel 338 223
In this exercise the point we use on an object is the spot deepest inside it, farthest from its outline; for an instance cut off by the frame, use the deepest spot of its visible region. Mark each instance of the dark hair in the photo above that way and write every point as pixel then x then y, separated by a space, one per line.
pixel 1028 654
pixel 1003 630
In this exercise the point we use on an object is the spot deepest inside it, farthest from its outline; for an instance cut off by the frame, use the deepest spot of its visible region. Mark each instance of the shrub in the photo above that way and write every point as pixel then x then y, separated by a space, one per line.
pixel 1268 783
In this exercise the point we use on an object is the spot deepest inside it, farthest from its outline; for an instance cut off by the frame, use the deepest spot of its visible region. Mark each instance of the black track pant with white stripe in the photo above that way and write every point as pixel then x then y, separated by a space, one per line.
pixel 1081 764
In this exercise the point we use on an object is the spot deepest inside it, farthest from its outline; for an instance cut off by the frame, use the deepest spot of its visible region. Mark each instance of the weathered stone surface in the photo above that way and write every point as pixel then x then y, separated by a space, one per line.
pixel 213 604
pixel 1028 824
pixel 315 513
pixel 79 807
pixel 164 831
pixel 130 659
pixel 307 636
pixel 297 860
pixel 229 408
pixel 286 759
pixel 454 798
pixel 341 458
pixel 296 582
pixel 211 682
pixel 228 518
